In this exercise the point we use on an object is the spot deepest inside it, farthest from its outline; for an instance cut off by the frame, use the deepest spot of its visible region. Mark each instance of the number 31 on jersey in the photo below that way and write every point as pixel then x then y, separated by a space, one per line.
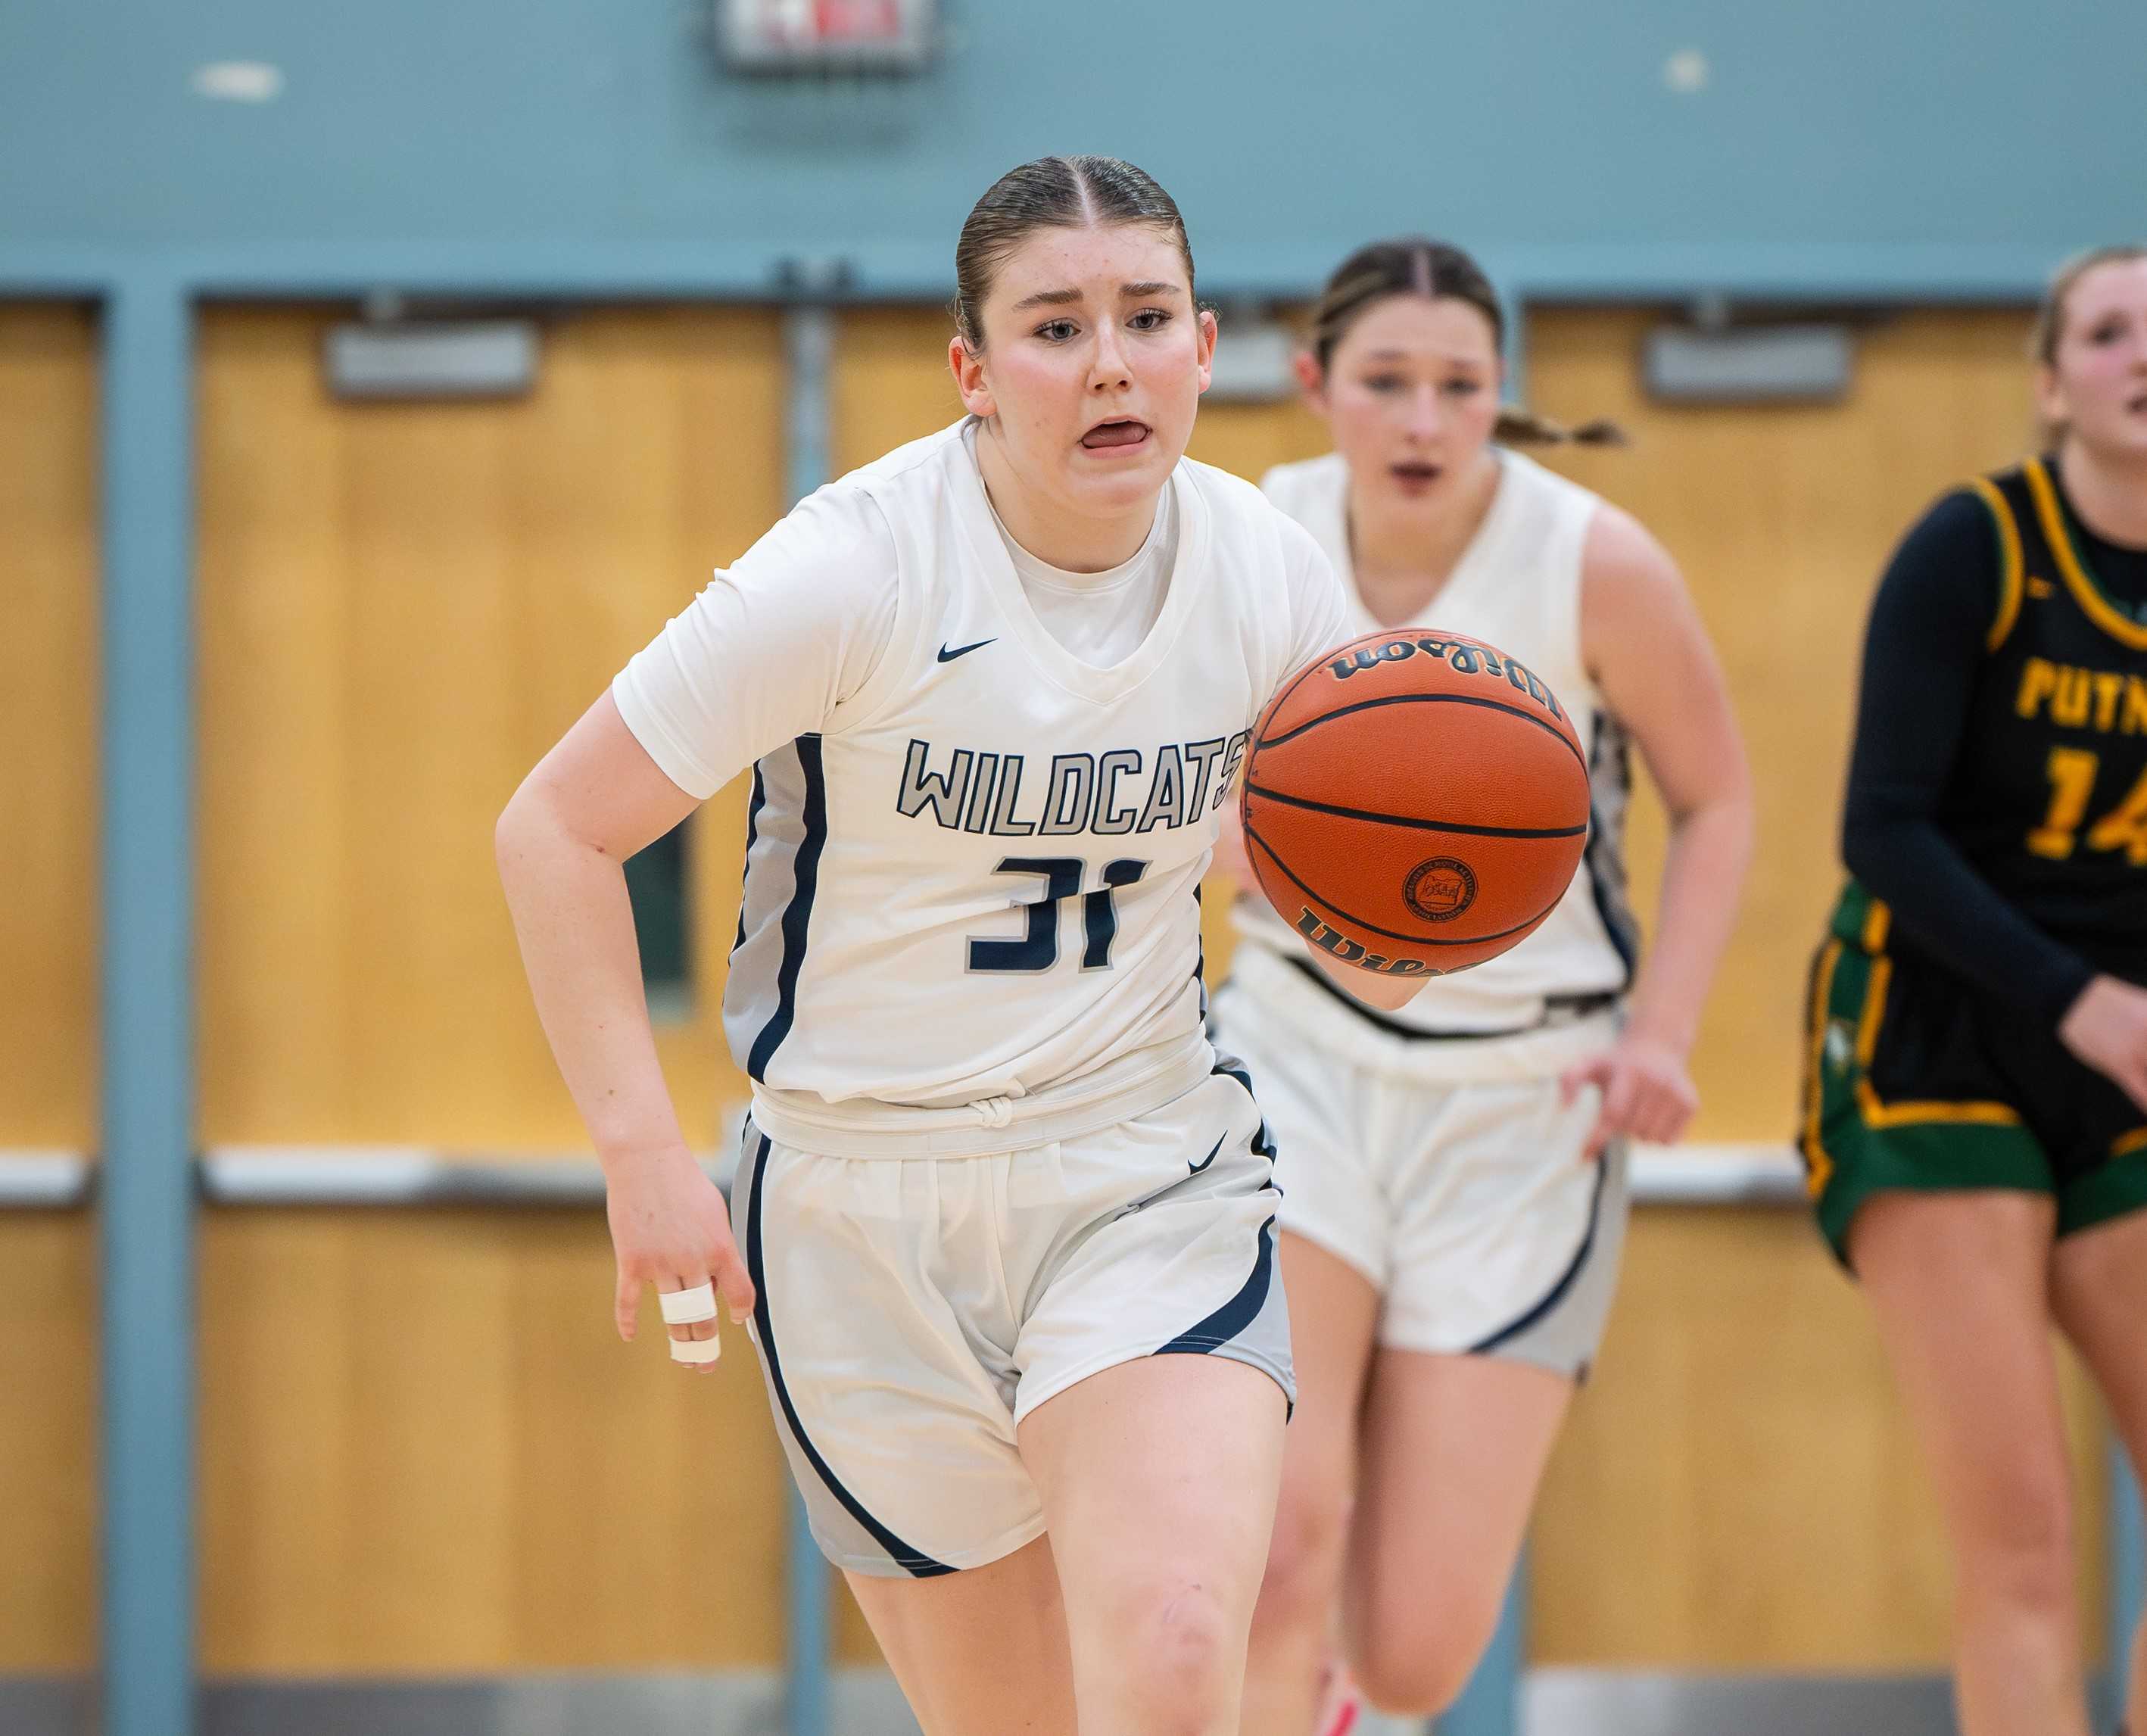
pixel 1037 949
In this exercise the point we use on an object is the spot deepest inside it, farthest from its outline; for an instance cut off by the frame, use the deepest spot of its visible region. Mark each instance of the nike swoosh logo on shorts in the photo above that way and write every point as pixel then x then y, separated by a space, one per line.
pixel 1210 1157
pixel 947 655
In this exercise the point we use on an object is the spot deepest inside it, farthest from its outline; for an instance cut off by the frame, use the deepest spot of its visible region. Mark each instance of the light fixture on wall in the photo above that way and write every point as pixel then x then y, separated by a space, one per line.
pixel 821 37
pixel 390 355
pixel 1255 359
pixel 237 81
pixel 1714 359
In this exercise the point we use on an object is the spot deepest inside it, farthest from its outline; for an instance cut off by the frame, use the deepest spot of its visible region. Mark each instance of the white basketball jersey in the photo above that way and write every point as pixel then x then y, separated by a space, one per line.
pixel 978 879
pixel 1517 586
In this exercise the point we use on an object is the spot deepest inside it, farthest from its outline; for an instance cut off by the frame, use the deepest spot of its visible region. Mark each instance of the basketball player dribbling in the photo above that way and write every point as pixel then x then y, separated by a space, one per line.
pixel 1004 1223
pixel 1976 1084
pixel 1455 1199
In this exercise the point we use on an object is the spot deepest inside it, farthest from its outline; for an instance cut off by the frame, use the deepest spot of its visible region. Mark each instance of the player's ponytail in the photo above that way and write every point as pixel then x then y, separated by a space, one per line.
pixel 1053 192
pixel 1438 271
pixel 1517 427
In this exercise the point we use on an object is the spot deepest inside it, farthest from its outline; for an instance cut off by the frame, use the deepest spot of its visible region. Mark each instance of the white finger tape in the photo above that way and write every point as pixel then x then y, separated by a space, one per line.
pixel 683 1308
pixel 696 1350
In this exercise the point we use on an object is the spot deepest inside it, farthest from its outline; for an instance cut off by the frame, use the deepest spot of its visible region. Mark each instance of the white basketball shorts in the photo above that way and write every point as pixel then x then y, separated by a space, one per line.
pixel 1446 1170
pixel 913 1311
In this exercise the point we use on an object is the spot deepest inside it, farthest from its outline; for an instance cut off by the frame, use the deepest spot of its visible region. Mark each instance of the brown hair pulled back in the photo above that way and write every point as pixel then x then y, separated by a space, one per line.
pixel 2049 327
pixel 2050 318
pixel 1053 192
pixel 1437 271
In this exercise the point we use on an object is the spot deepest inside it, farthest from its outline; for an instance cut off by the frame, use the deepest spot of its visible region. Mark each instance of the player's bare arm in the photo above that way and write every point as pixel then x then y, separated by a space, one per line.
pixel 1649 654
pixel 592 801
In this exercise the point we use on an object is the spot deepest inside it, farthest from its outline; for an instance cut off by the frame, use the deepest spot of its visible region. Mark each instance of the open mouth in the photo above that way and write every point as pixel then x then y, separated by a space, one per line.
pixel 1115 435
pixel 1415 472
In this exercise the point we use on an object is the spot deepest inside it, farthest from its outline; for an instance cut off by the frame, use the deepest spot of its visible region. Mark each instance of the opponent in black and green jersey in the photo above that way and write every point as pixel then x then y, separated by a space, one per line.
pixel 1996 828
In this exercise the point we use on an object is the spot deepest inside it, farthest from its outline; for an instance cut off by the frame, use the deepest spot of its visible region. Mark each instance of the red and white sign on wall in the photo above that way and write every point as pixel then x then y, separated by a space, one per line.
pixel 826 35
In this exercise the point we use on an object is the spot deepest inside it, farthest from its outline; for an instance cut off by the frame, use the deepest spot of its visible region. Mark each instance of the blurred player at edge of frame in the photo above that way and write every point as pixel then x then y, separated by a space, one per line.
pixel 1975 1109
pixel 1453 1172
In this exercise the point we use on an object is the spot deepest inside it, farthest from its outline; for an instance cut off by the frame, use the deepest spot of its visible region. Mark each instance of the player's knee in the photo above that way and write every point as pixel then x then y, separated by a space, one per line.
pixel 1403 1682
pixel 1304 1557
pixel 1414 1661
pixel 2018 1550
pixel 1182 1648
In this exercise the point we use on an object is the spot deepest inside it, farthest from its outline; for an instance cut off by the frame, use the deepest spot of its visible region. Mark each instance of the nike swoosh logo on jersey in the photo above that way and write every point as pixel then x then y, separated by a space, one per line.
pixel 1210 1157
pixel 947 654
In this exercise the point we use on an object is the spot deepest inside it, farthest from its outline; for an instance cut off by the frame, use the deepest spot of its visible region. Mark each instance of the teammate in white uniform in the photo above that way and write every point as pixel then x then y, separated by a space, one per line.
pixel 1454 1197
pixel 1004 1223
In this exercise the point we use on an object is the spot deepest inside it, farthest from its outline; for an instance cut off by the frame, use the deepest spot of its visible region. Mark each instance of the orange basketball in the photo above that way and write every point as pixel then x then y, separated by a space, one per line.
pixel 1414 802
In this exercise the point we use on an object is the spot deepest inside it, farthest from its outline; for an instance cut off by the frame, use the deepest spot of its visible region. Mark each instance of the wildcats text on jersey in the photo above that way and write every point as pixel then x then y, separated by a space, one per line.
pixel 1120 792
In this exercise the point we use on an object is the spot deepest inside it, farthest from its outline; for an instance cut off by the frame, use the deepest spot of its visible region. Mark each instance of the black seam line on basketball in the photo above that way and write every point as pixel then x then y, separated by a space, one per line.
pixel 1397 819
pixel 1514 1328
pixel 1370 928
pixel 1295 682
pixel 916 1561
pixel 1483 700
pixel 1236 1314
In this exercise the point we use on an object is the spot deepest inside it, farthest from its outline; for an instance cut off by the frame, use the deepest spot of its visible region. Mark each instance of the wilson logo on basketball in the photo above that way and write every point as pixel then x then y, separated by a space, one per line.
pixel 1464 657
pixel 1440 889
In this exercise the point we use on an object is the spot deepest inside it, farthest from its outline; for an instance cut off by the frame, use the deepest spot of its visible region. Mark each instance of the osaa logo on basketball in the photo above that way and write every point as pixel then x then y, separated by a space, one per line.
pixel 1440 889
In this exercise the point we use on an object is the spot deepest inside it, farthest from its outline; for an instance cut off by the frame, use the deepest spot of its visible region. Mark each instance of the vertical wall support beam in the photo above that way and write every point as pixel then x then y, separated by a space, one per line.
pixel 1513 302
pixel 2127 1568
pixel 808 344
pixel 1491 1703
pixel 146 1201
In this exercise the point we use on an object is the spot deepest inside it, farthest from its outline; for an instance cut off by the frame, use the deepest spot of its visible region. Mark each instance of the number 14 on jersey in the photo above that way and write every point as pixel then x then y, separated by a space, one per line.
pixel 2072 772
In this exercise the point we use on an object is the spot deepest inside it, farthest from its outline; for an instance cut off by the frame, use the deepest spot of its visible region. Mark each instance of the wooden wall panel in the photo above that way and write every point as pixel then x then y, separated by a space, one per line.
pixel 425 1450
pixel 48 689
pixel 49 1078
pixel 892 381
pixel 1737 1488
pixel 402 606
pixel 1782 518
pixel 48 1443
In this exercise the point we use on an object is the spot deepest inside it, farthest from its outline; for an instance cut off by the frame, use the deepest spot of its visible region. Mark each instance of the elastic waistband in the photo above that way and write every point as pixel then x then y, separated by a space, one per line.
pixel 1294 994
pixel 1120 1090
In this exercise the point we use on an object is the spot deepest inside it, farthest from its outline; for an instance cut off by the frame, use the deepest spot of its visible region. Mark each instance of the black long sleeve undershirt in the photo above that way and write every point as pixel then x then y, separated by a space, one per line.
pixel 1921 655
